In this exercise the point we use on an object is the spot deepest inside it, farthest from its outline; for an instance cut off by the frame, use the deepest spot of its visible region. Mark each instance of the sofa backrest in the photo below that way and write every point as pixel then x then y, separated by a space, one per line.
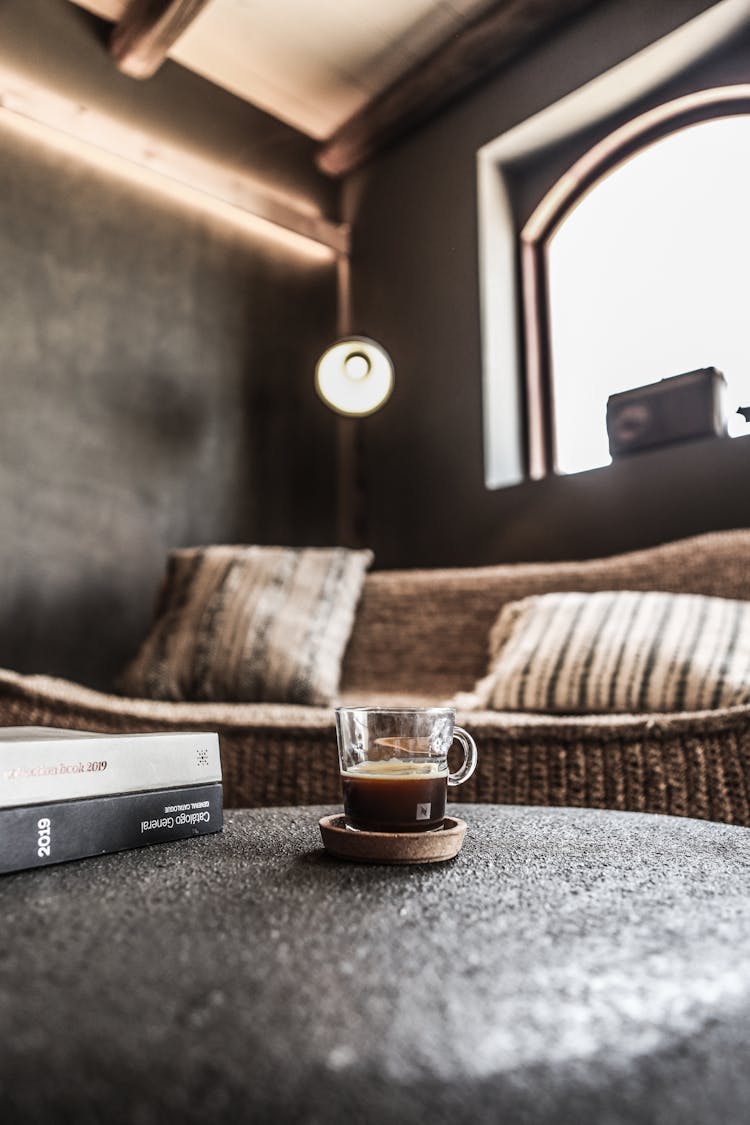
pixel 426 632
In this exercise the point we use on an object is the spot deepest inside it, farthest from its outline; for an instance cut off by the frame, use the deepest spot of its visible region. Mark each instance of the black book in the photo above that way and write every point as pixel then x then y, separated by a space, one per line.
pixel 37 835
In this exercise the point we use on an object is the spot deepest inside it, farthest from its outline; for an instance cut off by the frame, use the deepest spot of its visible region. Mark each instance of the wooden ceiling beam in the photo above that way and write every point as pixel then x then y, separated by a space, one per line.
pixel 146 30
pixel 232 194
pixel 471 55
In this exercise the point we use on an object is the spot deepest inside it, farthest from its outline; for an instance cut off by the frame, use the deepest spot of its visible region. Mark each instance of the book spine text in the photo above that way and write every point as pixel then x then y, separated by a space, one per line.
pixel 56 770
pixel 54 832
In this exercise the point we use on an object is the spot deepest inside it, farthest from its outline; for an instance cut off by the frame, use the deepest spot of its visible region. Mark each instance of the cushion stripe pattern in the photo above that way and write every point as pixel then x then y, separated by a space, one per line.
pixel 250 624
pixel 623 651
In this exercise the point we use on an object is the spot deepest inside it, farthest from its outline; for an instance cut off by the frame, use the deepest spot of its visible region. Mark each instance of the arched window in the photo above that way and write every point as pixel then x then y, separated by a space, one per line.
pixel 636 267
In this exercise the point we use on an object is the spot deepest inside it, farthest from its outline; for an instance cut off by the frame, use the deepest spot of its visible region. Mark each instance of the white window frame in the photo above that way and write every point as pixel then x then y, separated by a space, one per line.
pixel 516 414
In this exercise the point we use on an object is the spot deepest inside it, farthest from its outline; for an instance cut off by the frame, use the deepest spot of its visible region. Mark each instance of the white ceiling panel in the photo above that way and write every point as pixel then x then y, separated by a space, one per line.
pixel 311 64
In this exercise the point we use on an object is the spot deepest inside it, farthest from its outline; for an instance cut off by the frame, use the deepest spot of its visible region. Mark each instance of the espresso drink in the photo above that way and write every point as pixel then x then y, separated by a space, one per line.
pixel 395 796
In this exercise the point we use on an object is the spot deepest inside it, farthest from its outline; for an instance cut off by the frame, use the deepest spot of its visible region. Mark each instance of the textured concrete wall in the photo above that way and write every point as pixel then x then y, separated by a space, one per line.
pixel 416 289
pixel 155 371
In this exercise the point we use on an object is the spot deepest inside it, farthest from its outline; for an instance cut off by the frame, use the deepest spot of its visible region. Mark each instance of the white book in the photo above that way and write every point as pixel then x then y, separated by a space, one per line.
pixel 39 764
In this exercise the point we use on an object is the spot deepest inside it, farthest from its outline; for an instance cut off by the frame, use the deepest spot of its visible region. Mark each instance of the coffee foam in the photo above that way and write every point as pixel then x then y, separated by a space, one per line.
pixel 396 768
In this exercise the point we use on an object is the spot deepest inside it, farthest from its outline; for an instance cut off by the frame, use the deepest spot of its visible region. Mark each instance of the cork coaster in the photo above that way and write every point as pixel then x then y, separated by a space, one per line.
pixel 392 847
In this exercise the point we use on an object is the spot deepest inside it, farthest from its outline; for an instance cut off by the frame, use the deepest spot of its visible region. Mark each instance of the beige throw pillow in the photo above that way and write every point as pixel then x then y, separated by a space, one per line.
pixel 617 651
pixel 250 623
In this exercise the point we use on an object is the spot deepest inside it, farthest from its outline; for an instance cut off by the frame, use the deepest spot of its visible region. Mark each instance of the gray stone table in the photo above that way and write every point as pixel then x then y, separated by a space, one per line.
pixel 568 966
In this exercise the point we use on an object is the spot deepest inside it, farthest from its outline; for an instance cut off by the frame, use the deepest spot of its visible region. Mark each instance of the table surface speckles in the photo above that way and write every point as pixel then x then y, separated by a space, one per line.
pixel 567 966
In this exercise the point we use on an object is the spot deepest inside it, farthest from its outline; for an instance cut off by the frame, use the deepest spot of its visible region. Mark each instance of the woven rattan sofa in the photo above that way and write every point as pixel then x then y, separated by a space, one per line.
pixel 422 635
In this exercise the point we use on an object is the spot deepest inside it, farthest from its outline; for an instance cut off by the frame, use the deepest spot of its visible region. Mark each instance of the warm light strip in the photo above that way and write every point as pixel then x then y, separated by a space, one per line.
pixel 121 148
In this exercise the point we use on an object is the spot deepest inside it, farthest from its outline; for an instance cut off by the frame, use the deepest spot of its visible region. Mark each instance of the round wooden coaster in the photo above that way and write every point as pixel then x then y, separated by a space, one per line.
pixel 392 847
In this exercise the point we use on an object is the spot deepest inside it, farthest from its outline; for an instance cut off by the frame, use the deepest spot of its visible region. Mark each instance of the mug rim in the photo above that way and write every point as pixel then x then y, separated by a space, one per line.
pixel 370 710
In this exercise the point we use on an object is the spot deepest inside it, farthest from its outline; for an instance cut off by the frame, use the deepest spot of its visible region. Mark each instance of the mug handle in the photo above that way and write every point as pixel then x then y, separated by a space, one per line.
pixel 470 757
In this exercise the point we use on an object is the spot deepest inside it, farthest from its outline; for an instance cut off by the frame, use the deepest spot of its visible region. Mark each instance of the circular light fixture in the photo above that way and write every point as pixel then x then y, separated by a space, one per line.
pixel 354 376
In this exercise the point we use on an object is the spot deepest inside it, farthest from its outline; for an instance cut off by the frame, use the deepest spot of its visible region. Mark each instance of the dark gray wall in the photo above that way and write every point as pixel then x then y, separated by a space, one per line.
pixel 155 361
pixel 416 289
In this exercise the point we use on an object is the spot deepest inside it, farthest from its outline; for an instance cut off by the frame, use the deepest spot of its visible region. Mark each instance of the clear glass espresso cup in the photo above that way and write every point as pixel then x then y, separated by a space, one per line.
pixel 394 766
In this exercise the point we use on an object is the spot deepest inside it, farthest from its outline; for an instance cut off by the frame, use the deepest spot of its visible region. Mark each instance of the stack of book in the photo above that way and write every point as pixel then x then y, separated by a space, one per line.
pixel 69 794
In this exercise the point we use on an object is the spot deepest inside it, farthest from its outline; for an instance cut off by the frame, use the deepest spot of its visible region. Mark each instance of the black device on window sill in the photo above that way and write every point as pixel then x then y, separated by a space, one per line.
pixel 680 408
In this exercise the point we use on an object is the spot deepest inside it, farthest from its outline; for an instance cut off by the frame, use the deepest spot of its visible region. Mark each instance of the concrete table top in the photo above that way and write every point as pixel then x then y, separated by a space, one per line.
pixel 568 966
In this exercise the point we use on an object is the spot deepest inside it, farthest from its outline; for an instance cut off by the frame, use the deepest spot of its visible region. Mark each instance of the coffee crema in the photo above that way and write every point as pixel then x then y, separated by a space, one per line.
pixel 395 796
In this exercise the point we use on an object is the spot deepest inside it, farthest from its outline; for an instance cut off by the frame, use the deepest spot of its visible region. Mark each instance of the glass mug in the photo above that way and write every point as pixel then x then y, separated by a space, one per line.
pixel 394 766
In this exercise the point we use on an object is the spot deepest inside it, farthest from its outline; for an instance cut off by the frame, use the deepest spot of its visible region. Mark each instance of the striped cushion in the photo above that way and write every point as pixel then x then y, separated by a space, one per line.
pixel 252 624
pixel 617 651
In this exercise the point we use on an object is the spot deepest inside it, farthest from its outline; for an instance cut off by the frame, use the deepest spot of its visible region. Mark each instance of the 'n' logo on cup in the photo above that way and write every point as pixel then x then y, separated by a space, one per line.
pixel 423 811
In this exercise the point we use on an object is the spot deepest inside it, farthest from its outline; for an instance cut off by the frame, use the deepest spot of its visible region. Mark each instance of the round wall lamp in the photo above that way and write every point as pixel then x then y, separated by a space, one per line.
pixel 354 376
